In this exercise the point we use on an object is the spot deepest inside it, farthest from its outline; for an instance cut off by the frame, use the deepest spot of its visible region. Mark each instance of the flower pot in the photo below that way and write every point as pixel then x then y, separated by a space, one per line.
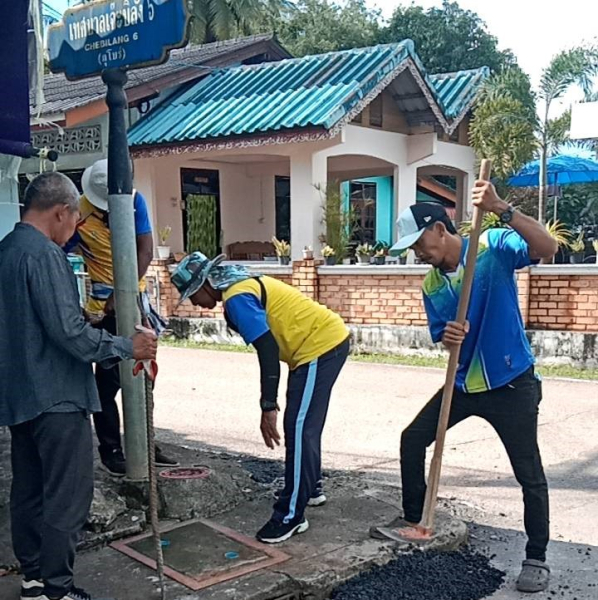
pixel 380 260
pixel 576 258
pixel 402 260
pixel 364 259
pixel 284 260
pixel 347 261
pixel 308 255
pixel 330 261
pixel 163 252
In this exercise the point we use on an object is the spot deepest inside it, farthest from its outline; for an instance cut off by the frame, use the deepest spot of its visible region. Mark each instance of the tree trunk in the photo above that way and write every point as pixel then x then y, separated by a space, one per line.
pixel 542 186
pixel 542 175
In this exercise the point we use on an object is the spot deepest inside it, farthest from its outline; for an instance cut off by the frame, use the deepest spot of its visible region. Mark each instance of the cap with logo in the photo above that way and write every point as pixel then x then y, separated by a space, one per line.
pixel 414 220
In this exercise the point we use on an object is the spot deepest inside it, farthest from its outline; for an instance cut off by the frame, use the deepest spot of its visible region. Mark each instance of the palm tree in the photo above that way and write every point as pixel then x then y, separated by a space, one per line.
pixel 214 20
pixel 506 127
pixel 504 124
pixel 574 67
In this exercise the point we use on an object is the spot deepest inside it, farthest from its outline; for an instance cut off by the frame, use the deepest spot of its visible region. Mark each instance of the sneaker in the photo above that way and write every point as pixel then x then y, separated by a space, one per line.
pixel 32 588
pixel 75 594
pixel 165 461
pixel 317 499
pixel 114 463
pixel 275 531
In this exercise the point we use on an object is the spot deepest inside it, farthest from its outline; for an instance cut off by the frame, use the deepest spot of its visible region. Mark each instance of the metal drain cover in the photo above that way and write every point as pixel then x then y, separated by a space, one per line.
pixel 186 473
pixel 201 553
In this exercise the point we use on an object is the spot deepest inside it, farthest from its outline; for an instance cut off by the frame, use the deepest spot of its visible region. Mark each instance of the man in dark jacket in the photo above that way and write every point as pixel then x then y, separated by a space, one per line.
pixel 47 387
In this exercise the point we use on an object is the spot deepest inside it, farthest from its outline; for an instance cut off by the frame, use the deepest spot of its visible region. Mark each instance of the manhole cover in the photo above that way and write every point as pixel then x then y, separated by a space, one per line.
pixel 186 473
pixel 201 553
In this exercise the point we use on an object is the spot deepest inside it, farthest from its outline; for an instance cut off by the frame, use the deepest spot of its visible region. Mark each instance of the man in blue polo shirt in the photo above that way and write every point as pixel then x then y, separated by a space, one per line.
pixel 495 379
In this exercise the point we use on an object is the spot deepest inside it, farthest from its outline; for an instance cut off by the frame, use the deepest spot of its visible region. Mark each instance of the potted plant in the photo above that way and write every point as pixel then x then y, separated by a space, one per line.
pixel 329 255
pixel 577 246
pixel 283 250
pixel 595 246
pixel 339 221
pixel 560 234
pixel 308 253
pixel 380 257
pixel 403 257
pixel 163 249
pixel 380 252
pixel 364 253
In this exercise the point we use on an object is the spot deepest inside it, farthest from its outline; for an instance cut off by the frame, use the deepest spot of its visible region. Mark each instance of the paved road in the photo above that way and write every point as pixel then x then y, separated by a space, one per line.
pixel 211 399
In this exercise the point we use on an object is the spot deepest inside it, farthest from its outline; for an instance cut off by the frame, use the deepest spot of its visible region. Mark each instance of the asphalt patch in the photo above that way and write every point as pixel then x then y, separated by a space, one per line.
pixel 263 470
pixel 462 575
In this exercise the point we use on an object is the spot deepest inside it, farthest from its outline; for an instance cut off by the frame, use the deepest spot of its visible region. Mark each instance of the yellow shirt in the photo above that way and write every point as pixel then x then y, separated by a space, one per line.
pixel 93 240
pixel 303 329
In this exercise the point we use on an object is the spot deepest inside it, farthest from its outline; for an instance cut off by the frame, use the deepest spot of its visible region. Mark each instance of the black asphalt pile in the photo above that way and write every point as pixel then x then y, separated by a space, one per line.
pixel 462 575
pixel 263 470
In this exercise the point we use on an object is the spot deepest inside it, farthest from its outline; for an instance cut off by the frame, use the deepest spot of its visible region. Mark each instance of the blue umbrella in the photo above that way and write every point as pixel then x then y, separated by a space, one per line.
pixel 561 170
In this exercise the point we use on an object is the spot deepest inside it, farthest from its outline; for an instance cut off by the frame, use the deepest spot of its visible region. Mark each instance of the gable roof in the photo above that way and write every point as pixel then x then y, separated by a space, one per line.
pixel 184 65
pixel 319 93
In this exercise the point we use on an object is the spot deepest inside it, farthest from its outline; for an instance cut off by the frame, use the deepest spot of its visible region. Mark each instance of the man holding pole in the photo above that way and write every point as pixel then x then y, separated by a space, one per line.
pixel 47 388
pixel 495 378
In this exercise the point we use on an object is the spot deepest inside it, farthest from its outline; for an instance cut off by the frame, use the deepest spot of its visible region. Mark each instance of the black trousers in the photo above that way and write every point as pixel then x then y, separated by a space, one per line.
pixel 107 422
pixel 308 397
pixel 513 412
pixel 52 490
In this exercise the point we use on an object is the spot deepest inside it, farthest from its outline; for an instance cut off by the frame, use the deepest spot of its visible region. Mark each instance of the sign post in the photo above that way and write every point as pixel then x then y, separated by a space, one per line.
pixel 109 37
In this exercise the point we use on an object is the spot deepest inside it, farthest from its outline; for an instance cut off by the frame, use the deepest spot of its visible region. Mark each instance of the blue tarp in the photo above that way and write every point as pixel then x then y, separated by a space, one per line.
pixel 14 76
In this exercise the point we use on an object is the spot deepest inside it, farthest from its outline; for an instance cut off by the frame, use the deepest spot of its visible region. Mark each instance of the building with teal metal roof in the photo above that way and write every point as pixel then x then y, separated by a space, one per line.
pixel 316 94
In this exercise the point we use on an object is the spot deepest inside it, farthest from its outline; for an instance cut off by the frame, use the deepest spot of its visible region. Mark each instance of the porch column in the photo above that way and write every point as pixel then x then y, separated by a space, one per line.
pixel 407 188
pixel 464 185
pixel 308 184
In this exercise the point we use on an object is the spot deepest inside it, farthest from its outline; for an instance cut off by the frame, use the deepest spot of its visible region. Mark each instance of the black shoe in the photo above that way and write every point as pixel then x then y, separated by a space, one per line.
pixel 165 461
pixel 75 594
pixel 114 462
pixel 275 531
pixel 31 588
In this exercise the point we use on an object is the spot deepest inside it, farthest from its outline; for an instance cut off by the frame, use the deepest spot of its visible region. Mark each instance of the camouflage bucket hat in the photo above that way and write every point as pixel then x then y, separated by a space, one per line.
pixel 192 272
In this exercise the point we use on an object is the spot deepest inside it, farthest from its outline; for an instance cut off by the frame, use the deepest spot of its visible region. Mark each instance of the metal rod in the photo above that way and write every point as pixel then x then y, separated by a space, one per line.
pixel 427 521
pixel 126 278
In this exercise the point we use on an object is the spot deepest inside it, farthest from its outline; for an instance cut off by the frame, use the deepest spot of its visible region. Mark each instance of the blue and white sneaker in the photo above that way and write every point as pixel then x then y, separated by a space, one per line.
pixel 275 531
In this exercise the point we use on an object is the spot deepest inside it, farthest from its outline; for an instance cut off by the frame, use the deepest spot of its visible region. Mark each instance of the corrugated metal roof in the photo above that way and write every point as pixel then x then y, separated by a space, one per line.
pixel 62 95
pixel 310 92
pixel 456 91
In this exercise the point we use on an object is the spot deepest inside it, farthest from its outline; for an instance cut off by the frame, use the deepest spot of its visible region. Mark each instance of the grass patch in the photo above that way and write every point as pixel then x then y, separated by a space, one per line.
pixel 438 362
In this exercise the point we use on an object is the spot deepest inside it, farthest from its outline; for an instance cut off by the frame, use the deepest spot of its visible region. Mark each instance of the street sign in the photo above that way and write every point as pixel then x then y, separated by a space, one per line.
pixel 108 34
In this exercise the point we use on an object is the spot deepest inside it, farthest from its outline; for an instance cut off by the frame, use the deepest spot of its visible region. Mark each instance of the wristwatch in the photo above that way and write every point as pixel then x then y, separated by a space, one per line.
pixel 507 215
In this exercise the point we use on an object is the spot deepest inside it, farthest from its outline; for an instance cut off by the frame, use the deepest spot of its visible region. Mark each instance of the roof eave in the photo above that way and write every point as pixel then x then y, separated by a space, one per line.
pixel 312 134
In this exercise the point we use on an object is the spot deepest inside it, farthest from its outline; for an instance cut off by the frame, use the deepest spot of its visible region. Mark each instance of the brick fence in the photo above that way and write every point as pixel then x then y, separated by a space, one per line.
pixel 561 298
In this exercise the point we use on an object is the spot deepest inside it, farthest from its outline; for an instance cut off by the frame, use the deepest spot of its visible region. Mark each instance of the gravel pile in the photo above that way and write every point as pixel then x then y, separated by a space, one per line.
pixel 462 575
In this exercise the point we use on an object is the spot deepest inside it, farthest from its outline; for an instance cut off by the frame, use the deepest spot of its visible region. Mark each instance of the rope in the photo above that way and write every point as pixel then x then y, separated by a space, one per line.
pixel 153 482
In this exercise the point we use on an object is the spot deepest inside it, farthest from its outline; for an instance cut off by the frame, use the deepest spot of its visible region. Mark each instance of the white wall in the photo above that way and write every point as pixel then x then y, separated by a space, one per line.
pixel 246 197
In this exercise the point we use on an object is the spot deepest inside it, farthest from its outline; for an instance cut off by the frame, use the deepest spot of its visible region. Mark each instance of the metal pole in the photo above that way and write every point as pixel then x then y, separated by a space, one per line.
pixel 126 278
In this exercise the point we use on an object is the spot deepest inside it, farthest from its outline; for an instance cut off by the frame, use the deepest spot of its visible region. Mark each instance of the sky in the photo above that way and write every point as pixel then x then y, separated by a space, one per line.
pixel 535 30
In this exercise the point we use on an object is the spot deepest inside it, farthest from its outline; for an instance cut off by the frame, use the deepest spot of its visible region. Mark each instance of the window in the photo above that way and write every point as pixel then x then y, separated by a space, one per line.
pixel 362 197
pixel 376 111
pixel 282 195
